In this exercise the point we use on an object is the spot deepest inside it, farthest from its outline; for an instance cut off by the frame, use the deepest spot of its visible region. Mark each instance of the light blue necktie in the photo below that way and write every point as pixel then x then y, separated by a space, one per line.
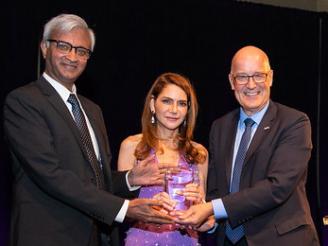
pixel 86 139
pixel 237 233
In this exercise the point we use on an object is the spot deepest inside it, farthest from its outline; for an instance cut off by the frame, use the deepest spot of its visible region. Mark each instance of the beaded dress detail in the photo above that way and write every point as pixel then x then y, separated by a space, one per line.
pixel 140 236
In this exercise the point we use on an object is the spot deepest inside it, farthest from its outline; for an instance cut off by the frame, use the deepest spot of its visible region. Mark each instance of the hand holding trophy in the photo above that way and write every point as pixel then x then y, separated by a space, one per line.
pixel 183 187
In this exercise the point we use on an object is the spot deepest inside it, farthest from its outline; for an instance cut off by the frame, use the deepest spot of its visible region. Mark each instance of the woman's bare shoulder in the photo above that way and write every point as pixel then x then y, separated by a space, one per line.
pixel 126 158
pixel 131 141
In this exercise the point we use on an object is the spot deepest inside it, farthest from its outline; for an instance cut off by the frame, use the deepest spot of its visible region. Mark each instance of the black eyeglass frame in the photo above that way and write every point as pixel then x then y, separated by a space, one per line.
pixel 88 51
pixel 265 76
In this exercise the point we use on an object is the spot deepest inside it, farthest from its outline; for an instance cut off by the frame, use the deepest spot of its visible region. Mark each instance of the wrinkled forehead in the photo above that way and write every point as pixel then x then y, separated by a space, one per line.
pixel 76 36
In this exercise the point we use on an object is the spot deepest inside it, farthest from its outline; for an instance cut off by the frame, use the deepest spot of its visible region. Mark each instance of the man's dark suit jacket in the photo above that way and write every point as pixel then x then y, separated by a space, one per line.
pixel 272 203
pixel 55 198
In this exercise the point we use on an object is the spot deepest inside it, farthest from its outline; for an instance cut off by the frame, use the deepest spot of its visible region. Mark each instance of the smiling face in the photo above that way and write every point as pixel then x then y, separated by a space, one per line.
pixel 252 96
pixel 66 68
pixel 170 107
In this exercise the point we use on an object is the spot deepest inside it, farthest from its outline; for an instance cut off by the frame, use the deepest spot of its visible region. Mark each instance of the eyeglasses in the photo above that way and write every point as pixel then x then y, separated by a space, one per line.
pixel 65 48
pixel 243 79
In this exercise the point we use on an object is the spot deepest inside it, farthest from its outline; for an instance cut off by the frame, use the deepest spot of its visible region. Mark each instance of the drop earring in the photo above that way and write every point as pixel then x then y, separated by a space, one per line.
pixel 152 120
pixel 184 123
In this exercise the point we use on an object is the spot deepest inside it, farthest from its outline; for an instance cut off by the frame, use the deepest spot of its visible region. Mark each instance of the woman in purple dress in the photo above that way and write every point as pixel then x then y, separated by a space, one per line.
pixel 168 122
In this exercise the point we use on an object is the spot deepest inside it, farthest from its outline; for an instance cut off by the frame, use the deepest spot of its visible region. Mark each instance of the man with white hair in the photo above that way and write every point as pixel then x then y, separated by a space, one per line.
pixel 63 186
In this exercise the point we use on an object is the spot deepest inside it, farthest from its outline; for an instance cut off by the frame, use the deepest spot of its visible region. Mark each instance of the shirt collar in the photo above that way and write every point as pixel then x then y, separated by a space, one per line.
pixel 61 90
pixel 257 117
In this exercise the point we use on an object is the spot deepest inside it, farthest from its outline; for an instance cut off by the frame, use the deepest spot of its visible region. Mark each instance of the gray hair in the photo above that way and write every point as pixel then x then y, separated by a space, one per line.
pixel 66 23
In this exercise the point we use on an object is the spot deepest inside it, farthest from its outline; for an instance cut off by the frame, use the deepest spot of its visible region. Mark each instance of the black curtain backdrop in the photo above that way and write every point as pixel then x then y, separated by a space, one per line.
pixel 322 132
pixel 138 40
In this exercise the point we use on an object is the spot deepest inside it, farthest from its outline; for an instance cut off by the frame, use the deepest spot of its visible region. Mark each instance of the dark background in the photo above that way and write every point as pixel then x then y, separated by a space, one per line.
pixel 138 40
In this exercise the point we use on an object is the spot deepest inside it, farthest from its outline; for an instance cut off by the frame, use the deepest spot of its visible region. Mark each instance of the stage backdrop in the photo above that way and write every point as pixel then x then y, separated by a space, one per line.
pixel 138 40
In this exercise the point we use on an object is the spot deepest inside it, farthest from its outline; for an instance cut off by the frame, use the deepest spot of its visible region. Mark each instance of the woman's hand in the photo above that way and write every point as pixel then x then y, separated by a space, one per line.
pixel 167 203
pixel 192 192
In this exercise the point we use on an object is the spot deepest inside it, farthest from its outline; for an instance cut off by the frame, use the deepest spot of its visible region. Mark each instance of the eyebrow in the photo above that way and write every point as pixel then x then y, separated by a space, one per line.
pixel 167 97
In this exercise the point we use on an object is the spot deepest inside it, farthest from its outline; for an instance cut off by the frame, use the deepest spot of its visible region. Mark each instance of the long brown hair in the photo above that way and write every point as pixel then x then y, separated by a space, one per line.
pixel 149 130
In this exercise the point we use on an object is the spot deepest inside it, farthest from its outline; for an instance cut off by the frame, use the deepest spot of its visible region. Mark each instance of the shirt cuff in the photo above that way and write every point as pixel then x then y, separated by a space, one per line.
pixel 213 229
pixel 121 214
pixel 131 188
pixel 219 209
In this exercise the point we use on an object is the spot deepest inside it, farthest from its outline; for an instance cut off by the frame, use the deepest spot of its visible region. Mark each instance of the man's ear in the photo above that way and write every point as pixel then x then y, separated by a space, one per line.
pixel 270 77
pixel 231 81
pixel 44 48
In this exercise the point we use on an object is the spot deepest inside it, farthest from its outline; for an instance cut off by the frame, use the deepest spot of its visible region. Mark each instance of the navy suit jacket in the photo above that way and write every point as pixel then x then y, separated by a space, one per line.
pixel 272 203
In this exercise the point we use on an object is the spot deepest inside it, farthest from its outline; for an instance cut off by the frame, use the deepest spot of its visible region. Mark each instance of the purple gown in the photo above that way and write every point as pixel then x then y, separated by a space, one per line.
pixel 141 237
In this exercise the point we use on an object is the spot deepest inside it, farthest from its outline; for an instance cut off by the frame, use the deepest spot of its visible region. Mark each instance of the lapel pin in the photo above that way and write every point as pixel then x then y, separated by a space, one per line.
pixel 266 128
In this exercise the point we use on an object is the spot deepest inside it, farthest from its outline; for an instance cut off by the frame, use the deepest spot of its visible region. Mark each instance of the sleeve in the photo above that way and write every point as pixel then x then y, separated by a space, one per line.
pixel 122 187
pixel 212 189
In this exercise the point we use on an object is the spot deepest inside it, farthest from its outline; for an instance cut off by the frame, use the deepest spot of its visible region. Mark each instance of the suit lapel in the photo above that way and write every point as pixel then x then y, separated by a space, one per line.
pixel 100 136
pixel 231 131
pixel 56 101
pixel 262 131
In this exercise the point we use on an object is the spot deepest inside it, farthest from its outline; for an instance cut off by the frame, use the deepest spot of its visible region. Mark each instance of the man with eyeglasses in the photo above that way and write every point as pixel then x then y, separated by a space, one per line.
pixel 63 187
pixel 259 157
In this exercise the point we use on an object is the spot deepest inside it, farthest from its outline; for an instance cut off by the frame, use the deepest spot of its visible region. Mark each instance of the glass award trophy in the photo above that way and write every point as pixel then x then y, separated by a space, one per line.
pixel 176 182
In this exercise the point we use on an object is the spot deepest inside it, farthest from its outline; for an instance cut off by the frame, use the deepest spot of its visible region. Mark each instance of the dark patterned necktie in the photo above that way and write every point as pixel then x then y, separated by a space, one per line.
pixel 86 139
pixel 237 233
